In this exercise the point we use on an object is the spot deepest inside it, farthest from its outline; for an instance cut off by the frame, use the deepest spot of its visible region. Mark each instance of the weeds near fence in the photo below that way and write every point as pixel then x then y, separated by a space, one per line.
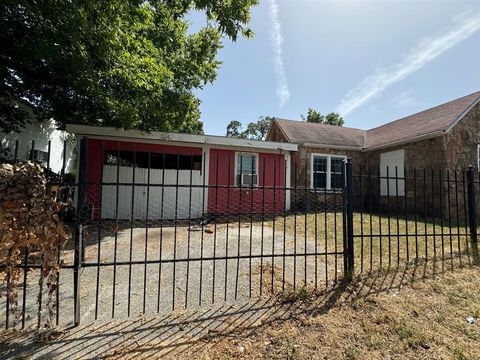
pixel 406 241
pixel 408 311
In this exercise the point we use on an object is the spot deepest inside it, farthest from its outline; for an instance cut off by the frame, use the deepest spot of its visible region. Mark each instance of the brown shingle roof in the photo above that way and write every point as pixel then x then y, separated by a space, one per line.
pixel 410 128
pixel 434 120
pixel 302 132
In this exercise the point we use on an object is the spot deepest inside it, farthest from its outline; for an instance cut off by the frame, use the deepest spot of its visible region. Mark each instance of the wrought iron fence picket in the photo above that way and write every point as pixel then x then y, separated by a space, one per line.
pixel 246 237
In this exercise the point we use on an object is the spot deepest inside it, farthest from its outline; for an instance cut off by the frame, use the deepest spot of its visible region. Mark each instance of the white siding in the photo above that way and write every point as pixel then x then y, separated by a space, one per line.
pixel 40 133
pixel 174 202
pixel 395 162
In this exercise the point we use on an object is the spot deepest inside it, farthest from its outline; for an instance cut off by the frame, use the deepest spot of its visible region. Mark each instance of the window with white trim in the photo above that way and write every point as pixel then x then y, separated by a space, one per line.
pixel 327 171
pixel 246 169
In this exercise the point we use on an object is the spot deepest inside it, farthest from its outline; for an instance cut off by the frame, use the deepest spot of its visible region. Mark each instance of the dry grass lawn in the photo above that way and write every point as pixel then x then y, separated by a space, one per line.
pixel 415 295
pixel 387 240
pixel 402 314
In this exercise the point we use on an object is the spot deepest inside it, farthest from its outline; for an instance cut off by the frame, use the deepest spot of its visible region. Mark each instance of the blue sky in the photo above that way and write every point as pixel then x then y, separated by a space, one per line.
pixel 372 60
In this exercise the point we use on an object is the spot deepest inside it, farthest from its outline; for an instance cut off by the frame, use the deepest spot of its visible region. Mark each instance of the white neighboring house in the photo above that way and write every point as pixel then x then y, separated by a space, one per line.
pixel 39 134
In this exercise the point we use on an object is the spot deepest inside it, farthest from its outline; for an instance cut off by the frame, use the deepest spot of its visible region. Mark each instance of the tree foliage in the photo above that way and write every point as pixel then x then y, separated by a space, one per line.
pixel 334 119
pixel 255 130
pixel 259 130
pixel 128 64
pixel 314 116
pixel 234 129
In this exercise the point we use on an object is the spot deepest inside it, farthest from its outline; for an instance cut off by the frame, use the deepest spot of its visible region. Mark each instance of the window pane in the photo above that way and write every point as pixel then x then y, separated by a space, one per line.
pixel 336 165
pixel 246 164
pixel 155 160
pixel 319 163
pixel 337 181
pixel 248 180
pixel 320 180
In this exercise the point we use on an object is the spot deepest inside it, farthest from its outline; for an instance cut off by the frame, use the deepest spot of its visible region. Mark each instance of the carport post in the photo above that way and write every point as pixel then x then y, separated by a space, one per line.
pixel 77 261
pixel 472 213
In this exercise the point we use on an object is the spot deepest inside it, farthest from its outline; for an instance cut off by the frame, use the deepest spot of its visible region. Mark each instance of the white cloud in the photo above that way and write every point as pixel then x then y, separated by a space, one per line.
pixel 404 99
pixel 426 50
pixel 282 91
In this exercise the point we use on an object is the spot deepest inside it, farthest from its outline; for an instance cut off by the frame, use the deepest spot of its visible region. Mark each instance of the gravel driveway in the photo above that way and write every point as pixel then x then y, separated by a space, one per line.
pixel 174 285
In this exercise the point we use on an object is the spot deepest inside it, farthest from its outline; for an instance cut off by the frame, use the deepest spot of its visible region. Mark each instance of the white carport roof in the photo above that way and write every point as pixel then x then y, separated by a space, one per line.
pixel 185 139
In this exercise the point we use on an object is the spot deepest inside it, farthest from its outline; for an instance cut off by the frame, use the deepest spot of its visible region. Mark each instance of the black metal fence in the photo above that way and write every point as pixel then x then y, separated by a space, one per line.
pixel 155 232
pixel 178 236
pixel 420 216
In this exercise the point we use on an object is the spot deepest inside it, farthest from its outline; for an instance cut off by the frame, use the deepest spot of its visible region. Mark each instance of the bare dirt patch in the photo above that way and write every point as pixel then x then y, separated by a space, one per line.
pixel 376 317
pixel 408 313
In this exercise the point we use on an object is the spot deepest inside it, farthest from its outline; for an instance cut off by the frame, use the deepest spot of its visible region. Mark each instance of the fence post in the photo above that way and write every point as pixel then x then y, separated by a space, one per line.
pixel 79 232
pixel 472 213
pixel 349 250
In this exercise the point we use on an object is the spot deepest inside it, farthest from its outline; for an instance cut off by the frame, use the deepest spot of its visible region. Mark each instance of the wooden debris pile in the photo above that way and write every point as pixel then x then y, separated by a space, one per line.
pixel 29 223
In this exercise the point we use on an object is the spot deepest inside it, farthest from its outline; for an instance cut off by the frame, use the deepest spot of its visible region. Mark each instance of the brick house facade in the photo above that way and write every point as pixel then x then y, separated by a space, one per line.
pixel 444 139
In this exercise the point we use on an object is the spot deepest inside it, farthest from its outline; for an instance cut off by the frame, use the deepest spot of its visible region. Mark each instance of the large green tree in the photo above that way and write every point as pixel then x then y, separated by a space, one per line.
pixel 314 116
pixel 255 130
pixel 121 63
pixel 234 129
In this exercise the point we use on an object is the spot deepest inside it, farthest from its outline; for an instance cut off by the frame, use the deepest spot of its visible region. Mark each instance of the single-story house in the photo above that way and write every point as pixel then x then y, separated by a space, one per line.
pixel 231 171
pixel 33 143
pixel 296 155
pixel 443 138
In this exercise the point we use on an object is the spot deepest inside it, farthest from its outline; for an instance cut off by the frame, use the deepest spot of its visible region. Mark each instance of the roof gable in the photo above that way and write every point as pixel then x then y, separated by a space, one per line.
pixel 432 121
pixel 428 123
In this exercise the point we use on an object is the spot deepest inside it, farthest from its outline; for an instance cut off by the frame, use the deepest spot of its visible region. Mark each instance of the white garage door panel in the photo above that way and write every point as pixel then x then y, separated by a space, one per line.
pixel 394 162
pixel 158 201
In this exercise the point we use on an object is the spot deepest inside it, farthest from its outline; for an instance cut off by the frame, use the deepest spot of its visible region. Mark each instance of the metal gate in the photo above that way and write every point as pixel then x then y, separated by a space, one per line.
pixel 134 258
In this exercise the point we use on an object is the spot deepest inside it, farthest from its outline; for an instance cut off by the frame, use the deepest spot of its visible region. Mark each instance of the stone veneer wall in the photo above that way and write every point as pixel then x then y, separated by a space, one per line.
pixel 421 157
pixel 461 144
pixel 450 155
pixel 452 152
